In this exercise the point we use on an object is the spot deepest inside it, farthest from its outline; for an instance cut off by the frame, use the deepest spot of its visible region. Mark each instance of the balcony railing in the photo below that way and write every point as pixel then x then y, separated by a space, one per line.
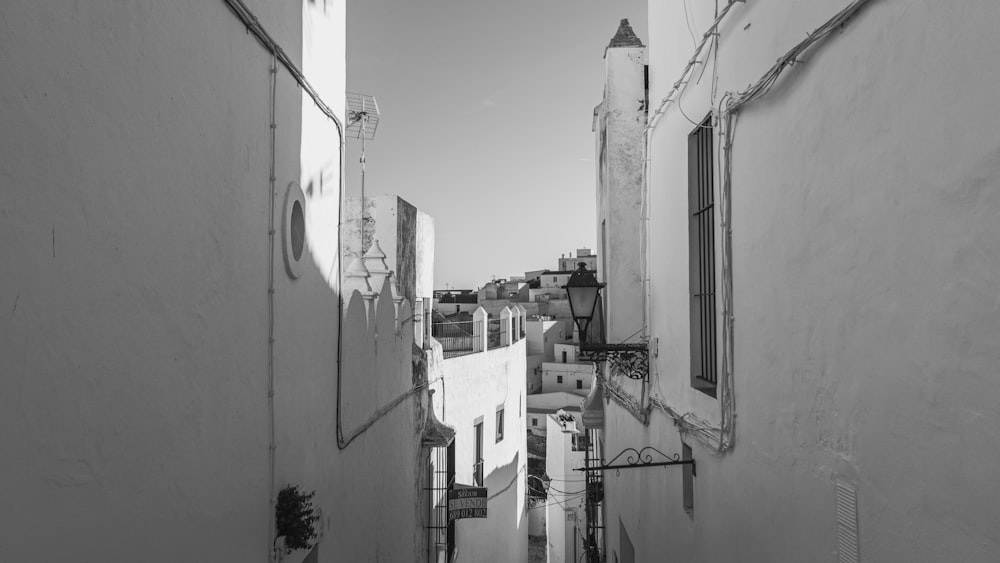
pixel 494 334
pixel 457 338
pixel 483 332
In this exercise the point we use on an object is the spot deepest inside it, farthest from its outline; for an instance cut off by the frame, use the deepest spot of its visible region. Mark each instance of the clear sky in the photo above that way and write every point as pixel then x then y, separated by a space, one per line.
pixel 486 122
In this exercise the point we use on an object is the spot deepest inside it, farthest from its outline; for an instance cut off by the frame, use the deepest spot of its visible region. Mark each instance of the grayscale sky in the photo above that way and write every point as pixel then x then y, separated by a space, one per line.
pixel 486 122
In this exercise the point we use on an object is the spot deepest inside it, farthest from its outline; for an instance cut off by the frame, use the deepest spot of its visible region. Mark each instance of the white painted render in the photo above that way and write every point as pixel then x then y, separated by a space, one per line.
pixel 572 375
pixel 619 124
pixel 473 386
pixel 134 231
pixel 565 516
pixel 864 229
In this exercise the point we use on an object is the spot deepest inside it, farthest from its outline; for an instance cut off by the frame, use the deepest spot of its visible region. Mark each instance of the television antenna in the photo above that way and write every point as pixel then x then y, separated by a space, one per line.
pixel 362 121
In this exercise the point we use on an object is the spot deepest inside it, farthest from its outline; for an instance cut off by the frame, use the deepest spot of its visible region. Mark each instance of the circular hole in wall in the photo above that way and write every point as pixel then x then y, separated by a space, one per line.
pixel 298 230
pixel 294 230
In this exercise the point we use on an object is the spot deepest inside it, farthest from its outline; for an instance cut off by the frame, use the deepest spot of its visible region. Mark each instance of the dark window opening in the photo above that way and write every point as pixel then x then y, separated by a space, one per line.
pixel 559 379
pixel 579 384
pixel 298 230
pixel 688 477
pixel 499 425
pixel 477 461
pixel 701 258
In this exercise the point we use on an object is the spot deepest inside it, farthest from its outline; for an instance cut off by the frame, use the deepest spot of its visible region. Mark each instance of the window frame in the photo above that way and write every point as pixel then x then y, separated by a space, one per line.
pixel 477 452
pixel 499 424
pixel 701 259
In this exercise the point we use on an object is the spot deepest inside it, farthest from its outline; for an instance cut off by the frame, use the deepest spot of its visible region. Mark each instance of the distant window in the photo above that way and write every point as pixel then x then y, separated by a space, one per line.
pixel 477 455
pixel 534 421
pixel 579 384
pixel 701 257
pixel 558 379
pixel 555 278
pixel 564 356
pixel 499 425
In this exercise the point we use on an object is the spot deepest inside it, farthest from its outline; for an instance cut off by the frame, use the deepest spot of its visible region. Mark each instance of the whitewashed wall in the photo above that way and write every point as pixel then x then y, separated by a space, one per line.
pixel 474 386
pixel 565 518
pixel 135 195
pixel 620 119
pixel 570 373
pixel 864 285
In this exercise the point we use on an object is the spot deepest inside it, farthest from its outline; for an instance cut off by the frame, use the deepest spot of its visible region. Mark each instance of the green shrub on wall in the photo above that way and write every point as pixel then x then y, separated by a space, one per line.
pixel 295 518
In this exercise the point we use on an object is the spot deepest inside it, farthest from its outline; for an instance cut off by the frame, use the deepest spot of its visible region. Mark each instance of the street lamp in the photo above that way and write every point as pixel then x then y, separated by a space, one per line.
pixel 583 289
pixel 628 359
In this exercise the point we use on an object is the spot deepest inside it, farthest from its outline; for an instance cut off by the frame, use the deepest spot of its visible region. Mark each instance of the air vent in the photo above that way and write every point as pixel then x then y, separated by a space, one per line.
pixel 848 548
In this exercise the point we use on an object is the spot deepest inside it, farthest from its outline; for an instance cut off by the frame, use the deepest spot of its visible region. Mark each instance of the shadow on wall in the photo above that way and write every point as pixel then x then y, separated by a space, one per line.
pixel 503 535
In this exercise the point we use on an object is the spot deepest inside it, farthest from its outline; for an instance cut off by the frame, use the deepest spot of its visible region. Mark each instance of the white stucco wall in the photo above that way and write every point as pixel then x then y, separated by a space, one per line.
pixel 570 373
pixel 864 289
pixel 554 280
pixel 620 123
pixel 542 336
pixel 134 349
pixel 474 386
pixel 565 516
pixel 568 349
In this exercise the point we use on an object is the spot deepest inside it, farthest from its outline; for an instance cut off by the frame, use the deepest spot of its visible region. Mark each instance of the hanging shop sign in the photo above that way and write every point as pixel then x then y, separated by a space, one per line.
pixel 467 503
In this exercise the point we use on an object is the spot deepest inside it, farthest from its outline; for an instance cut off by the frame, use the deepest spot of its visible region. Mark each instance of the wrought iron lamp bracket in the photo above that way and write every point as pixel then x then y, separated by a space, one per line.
pixel 640 458
pixel 630 360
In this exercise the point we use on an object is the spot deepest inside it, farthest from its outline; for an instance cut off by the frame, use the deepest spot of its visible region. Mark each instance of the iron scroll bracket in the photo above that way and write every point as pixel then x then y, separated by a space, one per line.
pixel 628 359
pixel 635 459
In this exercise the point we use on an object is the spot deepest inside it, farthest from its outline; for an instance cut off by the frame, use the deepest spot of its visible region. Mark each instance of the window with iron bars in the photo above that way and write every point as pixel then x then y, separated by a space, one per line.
pixel 701 257
pixel 477 463
pixel 441 479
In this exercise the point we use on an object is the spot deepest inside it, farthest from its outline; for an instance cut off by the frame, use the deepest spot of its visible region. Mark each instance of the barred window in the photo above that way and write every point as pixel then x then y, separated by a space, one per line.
pixel 701 257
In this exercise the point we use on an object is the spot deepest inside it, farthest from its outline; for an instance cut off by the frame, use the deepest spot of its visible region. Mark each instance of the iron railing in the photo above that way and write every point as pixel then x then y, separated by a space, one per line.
pixel 457 338
pixel 701 226
pixel 494 334
pixel 440 530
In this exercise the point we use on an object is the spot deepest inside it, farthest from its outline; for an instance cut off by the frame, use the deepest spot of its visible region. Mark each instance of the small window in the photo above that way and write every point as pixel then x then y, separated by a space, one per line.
pixel 558 379
pixel 564 356
pixel 499 425
pixel 688 477
pixel 555 278
pixel 534 421
pixel 579 384
pixel 477 455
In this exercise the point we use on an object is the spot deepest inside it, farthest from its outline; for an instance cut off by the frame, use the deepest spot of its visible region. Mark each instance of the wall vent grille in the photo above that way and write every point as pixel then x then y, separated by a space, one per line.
pixel 848 545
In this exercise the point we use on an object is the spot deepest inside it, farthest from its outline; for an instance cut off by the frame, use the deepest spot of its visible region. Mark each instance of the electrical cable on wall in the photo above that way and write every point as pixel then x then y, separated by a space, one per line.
pixel 271 446
pixel 247 17
pixel 509 485
pixel 717 439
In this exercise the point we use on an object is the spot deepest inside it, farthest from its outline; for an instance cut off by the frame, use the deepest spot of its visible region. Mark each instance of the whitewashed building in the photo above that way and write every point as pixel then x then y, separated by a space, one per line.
pixel 176 337
pixel 477 376
pixel 565 511
pixel 819 225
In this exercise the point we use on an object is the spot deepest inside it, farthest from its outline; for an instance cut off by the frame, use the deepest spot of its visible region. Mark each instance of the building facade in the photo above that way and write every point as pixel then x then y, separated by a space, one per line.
pixel 481 395
pixel 820 311
pixel 565 510
pixel 177 338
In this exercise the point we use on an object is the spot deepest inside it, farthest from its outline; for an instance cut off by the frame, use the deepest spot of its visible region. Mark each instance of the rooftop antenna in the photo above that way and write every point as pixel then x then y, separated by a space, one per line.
pixel 362 121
